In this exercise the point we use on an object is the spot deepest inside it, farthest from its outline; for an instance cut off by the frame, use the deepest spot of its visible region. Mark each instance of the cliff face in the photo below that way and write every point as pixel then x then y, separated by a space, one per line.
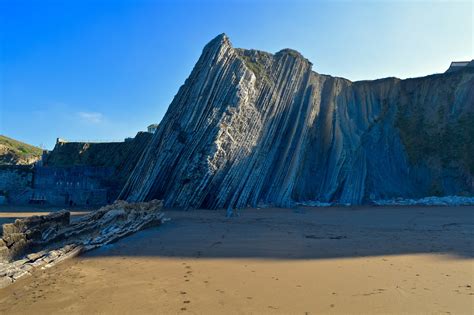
pixel 249 127
pixel 121 157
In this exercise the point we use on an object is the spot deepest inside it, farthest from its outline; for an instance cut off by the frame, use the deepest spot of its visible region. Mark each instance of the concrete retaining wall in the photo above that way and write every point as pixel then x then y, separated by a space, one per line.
pixel 15 177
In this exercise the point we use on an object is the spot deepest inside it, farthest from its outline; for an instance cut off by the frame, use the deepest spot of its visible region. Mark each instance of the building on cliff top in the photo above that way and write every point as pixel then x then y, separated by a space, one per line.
pixel 458 65
pixel 152 128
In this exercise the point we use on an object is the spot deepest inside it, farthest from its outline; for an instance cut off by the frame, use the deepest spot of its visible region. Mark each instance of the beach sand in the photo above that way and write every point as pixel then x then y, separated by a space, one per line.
pixel 362 260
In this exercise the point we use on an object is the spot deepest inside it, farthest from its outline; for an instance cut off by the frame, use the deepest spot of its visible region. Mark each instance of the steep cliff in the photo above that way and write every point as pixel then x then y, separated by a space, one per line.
pixel 249 127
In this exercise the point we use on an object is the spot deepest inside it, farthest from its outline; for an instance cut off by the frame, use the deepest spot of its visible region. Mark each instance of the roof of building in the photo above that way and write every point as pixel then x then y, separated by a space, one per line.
pixel 459 63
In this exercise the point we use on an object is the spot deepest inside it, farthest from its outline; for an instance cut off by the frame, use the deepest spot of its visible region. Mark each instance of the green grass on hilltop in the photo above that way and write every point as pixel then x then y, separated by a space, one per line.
pixel 17 152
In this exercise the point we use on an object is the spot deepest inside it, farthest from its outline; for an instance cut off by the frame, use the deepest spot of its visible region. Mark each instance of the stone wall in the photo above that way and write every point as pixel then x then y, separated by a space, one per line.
pixel 74 174
pixel 76 177
pixel 61 186
pixel 15 177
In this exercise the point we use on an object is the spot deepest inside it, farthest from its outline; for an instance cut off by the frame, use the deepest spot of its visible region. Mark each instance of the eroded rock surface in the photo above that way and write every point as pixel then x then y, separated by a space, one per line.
pixel 43 241
pixel 249 127
pixel 24 234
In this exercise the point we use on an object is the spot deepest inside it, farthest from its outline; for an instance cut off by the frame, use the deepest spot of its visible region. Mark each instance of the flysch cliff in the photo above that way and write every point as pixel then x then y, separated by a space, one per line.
pixel 250 128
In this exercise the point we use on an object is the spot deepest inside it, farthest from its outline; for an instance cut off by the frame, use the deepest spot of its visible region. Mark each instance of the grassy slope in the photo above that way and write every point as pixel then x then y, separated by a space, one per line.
pixel 16 152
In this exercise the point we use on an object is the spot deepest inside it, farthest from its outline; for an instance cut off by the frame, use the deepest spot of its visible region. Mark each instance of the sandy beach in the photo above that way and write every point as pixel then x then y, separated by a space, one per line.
pixel 362 260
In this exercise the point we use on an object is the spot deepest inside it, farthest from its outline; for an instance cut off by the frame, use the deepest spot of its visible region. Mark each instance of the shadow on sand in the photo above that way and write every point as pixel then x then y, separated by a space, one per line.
pixel 304 233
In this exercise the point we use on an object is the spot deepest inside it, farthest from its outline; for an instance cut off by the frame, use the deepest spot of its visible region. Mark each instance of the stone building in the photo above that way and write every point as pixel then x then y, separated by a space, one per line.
pixel 458 65
pixel 152 128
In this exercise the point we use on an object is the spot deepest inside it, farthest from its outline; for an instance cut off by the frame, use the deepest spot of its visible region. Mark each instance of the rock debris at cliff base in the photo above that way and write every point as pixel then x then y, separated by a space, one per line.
pixel 43 241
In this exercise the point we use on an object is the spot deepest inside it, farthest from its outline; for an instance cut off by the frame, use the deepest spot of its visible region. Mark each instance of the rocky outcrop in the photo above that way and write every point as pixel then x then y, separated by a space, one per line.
pixel 249 127
pixel 428 201
pixel 25 234
pixel 43 241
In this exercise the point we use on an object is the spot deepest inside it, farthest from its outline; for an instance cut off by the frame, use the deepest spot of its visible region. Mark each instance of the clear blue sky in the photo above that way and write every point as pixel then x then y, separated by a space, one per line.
pixel 82 69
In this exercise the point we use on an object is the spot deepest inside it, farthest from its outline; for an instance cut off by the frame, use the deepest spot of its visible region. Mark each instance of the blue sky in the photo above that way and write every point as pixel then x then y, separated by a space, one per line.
pixel 103 70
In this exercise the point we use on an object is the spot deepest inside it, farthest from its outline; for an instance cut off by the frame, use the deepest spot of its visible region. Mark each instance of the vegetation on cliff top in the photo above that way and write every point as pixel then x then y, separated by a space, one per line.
pixel 256 60
pixel 434 136
pixel 453 142
pixel 13 152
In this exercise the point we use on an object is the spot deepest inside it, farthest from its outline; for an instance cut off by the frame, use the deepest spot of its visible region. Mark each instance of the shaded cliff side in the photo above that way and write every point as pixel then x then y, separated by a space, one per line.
pixel 249 127
pixel 121 157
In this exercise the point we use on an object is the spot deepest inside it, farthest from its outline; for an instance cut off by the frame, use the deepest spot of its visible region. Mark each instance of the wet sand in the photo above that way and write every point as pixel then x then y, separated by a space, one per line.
pixel 388 260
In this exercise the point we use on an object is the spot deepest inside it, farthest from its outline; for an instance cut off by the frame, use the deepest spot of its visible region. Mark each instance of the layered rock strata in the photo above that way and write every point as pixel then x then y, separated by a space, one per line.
pixel 249 128
pixel 43 241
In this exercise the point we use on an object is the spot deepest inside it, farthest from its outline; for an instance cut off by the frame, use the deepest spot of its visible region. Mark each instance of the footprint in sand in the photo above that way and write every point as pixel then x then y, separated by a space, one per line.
pixel 186 302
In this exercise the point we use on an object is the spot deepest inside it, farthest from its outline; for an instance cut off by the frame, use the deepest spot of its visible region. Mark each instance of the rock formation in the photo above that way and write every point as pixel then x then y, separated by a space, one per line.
pixel 43 241
pixel 249 128
pixel 25 234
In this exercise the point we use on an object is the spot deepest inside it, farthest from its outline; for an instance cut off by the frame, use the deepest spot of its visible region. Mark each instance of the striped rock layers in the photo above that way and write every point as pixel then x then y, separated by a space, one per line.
pixel 249 128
